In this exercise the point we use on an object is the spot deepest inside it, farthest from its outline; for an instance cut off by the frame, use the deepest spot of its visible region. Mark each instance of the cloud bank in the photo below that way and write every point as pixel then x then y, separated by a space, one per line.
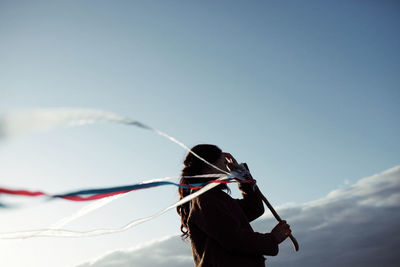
pixel 355 226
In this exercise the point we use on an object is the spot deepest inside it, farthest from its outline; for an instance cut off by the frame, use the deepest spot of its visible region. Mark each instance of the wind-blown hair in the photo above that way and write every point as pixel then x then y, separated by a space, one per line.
pixel 195 166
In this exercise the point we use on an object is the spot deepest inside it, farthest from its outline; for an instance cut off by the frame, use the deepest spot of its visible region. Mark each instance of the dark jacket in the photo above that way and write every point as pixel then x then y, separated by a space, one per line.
pixel 220 231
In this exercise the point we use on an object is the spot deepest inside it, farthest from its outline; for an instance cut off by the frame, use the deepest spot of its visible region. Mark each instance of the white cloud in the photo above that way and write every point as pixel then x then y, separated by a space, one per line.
pixel 354 226
pixel 170 251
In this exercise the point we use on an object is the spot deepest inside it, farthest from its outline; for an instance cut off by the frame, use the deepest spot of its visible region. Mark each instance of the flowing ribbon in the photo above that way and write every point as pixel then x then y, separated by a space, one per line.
pixel 99 193
pixel 69 233
pixel 46 119
pixel 38 120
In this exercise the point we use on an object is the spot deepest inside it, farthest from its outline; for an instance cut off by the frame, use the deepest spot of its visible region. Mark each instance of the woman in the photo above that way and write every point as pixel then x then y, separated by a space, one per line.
pixel 218 225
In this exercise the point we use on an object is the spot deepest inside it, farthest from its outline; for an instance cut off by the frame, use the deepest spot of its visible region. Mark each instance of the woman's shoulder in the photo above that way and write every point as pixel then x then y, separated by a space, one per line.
pixel 214 194
pixel 212 199
pixel 210 205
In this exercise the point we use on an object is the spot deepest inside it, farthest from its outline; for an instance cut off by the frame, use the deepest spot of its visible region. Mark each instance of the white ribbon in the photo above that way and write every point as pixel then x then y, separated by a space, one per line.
pixel 47 119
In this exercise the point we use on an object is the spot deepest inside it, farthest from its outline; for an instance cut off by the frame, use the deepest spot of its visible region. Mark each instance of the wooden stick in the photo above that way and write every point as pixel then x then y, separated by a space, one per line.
pixel 277 217
pixel 294 241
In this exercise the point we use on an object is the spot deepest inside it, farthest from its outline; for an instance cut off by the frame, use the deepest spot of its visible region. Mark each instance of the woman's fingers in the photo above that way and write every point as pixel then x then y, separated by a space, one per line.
pixel 281 231
pixel 230 158
pixel 285 228
pixel 230 166
pixel 288 231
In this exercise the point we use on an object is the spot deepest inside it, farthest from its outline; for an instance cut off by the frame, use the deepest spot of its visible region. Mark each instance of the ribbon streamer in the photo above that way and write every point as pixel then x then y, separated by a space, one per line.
pixel 23 122
pixel 99 193
pixel 46 119
pixel 69 233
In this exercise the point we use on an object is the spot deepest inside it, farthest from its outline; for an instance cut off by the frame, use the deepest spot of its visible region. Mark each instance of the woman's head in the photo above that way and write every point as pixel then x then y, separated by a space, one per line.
pixel 195 166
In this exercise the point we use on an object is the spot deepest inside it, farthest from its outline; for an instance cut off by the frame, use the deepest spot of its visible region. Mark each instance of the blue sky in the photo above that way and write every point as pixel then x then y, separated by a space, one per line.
pixel 306 93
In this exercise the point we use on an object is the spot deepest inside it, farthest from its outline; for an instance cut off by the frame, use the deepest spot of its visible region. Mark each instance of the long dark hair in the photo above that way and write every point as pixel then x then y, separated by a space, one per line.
pixel 195 166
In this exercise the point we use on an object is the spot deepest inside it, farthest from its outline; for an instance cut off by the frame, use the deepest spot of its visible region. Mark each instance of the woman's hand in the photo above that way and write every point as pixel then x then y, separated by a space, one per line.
pixel 281 231
pixel 232 164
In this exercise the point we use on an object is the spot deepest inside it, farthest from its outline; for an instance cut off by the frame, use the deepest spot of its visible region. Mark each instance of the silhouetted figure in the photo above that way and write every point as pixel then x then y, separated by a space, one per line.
pixel 218 225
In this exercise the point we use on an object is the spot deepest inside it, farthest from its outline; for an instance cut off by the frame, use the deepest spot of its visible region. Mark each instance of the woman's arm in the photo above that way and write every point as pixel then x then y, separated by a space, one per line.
pixel 215 218
pixel 251 203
